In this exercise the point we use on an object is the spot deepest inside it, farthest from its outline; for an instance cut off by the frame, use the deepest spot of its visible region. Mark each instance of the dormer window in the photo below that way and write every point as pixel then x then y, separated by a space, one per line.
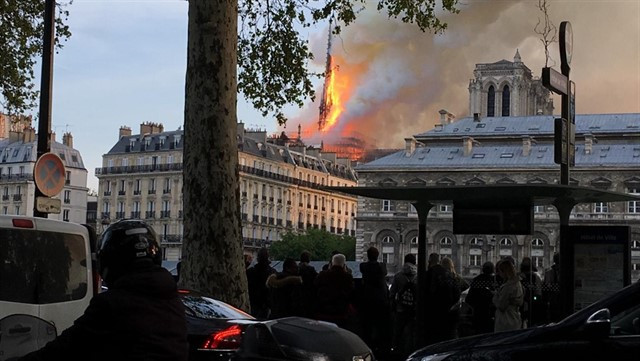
pixel 161 140
pixel 176 140
pixel 132 142
pixel 147 142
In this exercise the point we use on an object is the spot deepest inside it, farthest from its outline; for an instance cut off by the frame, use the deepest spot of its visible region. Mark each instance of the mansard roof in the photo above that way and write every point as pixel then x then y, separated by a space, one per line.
pixel 623 123
pixel 21 152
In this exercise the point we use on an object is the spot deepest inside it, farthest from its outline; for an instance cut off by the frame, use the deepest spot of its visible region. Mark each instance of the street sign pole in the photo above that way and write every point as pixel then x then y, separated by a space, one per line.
pixel 44 118
pixel 566 51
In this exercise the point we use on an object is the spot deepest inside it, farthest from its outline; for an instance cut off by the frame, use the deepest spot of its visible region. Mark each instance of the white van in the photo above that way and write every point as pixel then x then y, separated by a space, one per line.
pixel 46 269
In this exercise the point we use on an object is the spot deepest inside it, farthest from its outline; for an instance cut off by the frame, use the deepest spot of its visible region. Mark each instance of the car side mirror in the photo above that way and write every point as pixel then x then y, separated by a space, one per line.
pixel 598 325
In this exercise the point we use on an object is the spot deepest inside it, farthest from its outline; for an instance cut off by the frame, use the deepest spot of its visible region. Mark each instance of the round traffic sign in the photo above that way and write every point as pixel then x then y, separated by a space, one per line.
pixel 49 174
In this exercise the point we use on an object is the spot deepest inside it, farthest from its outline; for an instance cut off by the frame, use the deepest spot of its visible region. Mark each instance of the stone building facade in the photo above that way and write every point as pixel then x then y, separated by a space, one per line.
pixel 18 153
pixel 280 187
pixel 500 150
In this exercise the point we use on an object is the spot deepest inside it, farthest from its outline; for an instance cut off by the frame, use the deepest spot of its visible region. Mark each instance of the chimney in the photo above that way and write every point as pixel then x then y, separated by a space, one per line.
pixel 145 128
pixel 589 139
pixel 409 146
pixel 14 136
pixel 29 135
pixel 467 144
pixel 476 117
pixel 124 132
pixel 67 139
pixel 446 117
pixel 526 145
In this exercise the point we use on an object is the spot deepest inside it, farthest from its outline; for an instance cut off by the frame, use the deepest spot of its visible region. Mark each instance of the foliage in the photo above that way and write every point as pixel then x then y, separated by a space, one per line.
pixel 319 243
pixel 21 36
pixel 273 56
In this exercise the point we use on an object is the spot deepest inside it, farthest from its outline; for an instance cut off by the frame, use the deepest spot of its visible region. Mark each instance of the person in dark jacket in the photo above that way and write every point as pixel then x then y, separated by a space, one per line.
pixel 308 274
pixel 441 293
pixel 259 297
pixel 375 313
pixel 480 298
pixel 403 296
pixel 139 317
pixel 334 293
pixel 285 288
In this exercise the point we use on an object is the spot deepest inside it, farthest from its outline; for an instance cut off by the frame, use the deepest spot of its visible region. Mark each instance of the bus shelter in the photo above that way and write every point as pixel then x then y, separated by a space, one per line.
pixel 486 202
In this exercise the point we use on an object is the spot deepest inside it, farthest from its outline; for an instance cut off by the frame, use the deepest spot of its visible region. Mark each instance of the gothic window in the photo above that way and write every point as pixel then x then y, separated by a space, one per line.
pixel 491 102
pixel 446 241
pixel 506 101
pixel 506 242
pixel 537 242
pixel 475 241
pixel 388 239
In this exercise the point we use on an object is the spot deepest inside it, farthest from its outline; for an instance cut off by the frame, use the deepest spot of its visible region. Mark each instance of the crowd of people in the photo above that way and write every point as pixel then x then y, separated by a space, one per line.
pixel 385 316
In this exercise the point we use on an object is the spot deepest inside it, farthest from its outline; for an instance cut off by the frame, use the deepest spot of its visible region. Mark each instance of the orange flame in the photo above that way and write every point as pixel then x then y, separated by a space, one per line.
pixel 337 86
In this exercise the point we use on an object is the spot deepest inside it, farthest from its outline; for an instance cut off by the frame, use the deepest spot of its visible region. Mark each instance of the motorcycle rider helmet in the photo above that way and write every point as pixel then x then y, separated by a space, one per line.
pixel 125 243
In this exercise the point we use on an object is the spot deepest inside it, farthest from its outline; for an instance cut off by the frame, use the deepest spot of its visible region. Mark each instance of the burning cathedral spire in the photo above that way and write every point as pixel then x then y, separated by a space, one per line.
pixel 326 102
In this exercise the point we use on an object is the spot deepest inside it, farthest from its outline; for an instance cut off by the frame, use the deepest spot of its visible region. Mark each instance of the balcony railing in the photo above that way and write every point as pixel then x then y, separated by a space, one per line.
pixel 263 219
pixel 107 193
pixel 140 169
pixel 135 215
pixel 5 197
pixel 67 201
pixel 151 191
pixel 150 214
pixel 23 176
pixel 300 225
pixel 289 224
pixel 244 216
pixel 171 238
pixel 137 192
pixel 256 219
pixel 119 215
pixel 165 214
pixel 17 197
pixel 121 193
pixel 166 191
pixel 280 177
pixel 271 220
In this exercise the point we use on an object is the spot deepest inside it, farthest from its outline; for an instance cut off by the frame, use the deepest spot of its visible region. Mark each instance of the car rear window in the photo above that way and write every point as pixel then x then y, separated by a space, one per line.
pixel 40 267
pixel 207 308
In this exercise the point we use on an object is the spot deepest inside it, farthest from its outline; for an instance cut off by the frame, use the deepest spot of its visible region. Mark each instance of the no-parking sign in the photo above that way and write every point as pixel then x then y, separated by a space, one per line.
pixel 49 174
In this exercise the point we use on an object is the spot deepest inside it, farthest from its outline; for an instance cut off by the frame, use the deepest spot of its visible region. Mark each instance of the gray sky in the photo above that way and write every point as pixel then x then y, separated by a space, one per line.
pixel 125 64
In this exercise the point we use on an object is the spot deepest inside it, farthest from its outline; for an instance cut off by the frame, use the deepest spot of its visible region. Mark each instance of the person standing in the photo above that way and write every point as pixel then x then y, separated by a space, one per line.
pixel 551 290
pixel 480 297
pixel 286 291
pixel 334 293
pixel 440 294
pixel 532 307
pixel 257 275
pixel 375 315
pixel 508 299
pixel 403 295
pixel 308 293
pixel 461 285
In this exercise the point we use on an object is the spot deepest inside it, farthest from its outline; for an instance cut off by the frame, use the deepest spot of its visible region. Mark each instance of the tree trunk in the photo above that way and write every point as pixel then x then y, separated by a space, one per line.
pixel 212 248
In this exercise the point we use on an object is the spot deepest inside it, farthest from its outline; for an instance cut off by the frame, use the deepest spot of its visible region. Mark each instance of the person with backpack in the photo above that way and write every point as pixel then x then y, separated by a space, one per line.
pixel 403 295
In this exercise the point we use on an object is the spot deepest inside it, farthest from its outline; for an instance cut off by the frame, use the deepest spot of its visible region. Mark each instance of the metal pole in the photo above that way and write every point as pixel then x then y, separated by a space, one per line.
pixel 46 81
pixel 423 211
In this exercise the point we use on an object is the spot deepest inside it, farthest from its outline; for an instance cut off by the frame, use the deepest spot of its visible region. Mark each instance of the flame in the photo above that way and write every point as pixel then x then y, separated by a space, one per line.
pixel 336 88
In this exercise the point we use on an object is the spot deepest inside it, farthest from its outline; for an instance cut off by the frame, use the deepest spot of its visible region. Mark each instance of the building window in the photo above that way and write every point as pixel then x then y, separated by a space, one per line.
pixel 414 240
pixel 65 215
pixel 506 242
pixel 506 101
pixel 5 210
pixel 634 206
pixel 538 209
pixel 491 102
pixel 18 210
pixel 67 196
pixel 635 244
pixel 475 241
pixel 537 242
pixel 387 257
pixel 386 205
pixel 446 241
pixel 538 262
pixel 445 208
pixel 475 260
pixel 67 180
pixel 601 207
pixel 388 239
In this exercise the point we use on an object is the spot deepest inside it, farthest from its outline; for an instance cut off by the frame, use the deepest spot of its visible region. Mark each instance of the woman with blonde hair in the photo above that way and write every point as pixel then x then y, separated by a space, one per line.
pixel 447 263
pixel 508 299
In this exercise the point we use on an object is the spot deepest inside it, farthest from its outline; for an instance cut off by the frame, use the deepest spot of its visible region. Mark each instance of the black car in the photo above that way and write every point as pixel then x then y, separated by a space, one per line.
pixel 607 330
pixel 301 339
pixel 218 331
pixel 215 329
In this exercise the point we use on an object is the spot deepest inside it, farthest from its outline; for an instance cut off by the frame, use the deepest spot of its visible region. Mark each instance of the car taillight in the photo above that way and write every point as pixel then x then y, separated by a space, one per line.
pixel 227 339
pixel 22 223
